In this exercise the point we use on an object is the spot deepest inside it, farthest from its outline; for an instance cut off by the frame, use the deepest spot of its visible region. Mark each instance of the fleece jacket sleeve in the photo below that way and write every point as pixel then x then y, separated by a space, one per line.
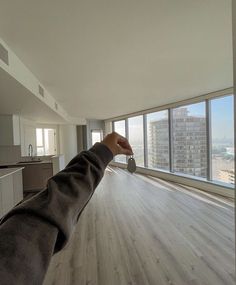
pixel 37 228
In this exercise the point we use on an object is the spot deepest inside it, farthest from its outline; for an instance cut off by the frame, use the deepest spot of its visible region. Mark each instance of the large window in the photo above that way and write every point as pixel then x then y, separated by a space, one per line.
pixel 222 138
pixel 189 140
pixel 119 127
pixel 45 141
pixel 158 140
pixel 136 138
pixel 195 140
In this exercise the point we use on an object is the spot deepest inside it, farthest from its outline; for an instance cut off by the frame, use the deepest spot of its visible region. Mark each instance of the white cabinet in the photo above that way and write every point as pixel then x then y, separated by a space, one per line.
pixel 58 163
pixel 7 194
pixel 11 189
pixel 9 130
pixel 17 187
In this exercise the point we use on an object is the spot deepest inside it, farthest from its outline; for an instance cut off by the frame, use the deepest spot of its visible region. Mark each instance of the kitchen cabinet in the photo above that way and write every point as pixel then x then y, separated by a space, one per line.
pixel 11 189
pixel 17 187
pixel 35 176
pixel 7 194
pixel 9 130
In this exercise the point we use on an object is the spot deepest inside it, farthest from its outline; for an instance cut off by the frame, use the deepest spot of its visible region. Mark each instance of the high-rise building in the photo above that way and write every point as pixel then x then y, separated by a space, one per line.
pixel 188 143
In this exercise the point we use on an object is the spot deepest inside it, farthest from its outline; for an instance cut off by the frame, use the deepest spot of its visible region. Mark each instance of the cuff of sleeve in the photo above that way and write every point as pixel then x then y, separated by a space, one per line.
pixel 102 152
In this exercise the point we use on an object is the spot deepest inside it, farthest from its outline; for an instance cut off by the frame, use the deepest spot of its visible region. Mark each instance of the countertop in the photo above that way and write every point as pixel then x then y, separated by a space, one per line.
pixel 20 164
pixel 8 171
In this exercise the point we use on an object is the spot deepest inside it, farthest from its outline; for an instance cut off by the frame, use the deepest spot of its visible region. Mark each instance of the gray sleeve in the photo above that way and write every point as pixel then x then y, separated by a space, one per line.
pixel 34 230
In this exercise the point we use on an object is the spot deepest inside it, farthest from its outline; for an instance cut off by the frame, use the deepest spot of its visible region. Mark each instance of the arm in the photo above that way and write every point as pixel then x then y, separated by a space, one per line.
pixel 41 226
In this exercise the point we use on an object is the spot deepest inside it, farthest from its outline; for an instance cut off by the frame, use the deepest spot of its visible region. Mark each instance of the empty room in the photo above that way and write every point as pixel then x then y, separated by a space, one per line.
pixel 117 142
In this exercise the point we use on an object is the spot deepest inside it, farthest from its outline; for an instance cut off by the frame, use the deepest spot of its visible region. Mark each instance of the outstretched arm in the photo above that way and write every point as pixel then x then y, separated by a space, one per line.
pixel 34 230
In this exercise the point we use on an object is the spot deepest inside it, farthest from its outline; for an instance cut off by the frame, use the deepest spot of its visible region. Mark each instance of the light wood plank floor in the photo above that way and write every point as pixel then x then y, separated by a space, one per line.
pixel 140 231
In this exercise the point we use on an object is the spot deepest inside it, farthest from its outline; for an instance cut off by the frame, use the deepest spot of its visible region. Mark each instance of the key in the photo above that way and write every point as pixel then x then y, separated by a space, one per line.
pixel 131 164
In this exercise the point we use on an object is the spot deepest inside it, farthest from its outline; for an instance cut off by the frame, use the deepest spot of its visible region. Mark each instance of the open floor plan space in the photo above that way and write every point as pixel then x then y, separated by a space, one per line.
pixel 142 230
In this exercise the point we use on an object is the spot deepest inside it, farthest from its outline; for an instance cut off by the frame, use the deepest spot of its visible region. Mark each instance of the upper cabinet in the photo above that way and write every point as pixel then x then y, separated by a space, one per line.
pixel 9 130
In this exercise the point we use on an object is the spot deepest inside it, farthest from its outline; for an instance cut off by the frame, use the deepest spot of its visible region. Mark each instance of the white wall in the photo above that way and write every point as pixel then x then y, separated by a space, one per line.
pixel 28 135
pixel 10 153
pixel 68 141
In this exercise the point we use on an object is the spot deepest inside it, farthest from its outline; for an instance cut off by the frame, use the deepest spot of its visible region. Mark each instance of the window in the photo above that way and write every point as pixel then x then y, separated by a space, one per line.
pixel 136 138
pixel 158 140
pixel 177 139
pixel 96 136
pixel 222 139
pixel 119 127
pixel 45 141
pixel 189 140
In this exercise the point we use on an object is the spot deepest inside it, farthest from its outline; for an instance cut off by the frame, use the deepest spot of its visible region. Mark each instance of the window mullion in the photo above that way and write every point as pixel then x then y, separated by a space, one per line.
pixel 127 133
pixel 170 119
pixel 145 140
pixel 209 140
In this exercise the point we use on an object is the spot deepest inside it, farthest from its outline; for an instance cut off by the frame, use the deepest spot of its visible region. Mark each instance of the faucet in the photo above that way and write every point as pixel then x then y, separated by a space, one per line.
pixel 30 151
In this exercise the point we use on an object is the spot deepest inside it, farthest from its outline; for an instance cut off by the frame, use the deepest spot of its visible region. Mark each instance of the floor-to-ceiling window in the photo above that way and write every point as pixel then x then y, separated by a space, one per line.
pixel 158 140
pixel 189 139
pixel 135 125
pixel 195 139
pixel 222 139
pixel 119 127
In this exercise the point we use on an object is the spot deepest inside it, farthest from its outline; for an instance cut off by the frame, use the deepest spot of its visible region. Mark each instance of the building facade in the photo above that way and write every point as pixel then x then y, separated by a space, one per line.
pixel 189 143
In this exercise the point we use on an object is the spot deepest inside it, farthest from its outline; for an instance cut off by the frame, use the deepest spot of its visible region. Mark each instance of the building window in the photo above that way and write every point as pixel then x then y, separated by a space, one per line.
pixel 158 140
pixel 97 136
pixel 119 127
pixel 135 125
pixel 222 139
pixel 46 141
pixel 189 140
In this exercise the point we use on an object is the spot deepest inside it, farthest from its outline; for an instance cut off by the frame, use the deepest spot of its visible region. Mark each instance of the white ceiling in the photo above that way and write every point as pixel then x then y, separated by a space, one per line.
pixel 104 58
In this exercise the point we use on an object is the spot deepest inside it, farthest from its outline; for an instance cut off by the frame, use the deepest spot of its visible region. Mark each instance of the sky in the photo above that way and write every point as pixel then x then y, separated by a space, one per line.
pixel 222 119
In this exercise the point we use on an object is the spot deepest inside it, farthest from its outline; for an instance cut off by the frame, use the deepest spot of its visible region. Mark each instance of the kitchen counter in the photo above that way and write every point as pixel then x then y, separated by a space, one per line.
pixel 9 171
pixel 35 174
pixel 17 164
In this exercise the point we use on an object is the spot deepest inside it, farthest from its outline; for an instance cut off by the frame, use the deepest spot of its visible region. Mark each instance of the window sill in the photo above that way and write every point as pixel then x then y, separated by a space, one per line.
pixel 204 182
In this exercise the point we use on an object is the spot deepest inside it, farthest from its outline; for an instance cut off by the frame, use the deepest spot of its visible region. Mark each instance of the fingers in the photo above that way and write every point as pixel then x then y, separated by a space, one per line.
pixel 117 144
pixel 125 151
pixel 125 147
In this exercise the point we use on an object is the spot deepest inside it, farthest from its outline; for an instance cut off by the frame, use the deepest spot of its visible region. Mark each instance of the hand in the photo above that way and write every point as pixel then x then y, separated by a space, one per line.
pixel 117 144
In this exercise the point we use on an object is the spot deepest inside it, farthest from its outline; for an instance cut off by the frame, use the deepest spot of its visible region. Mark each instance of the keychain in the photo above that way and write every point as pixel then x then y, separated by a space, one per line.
pixel 131 164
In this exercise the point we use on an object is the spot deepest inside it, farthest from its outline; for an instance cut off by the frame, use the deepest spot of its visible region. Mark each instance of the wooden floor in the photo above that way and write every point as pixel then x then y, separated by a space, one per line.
pixel 139 230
